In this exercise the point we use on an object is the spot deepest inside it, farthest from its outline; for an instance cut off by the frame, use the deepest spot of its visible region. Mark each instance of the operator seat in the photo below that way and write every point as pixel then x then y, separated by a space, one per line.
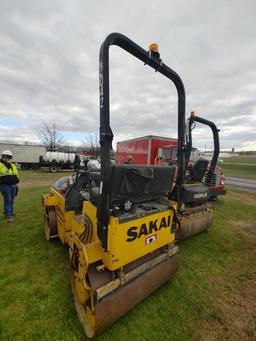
pixel 137 183
pixel 198 170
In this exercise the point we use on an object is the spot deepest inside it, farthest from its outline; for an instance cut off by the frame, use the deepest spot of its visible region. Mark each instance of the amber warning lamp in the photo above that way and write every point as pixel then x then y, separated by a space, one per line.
pixel 153 49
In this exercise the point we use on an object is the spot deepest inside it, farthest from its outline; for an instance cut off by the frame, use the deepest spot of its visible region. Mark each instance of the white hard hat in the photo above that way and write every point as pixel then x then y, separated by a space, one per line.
pixel 7 152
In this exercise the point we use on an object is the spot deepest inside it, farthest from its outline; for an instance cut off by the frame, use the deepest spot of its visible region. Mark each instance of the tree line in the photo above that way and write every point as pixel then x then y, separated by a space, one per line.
pixel 53 140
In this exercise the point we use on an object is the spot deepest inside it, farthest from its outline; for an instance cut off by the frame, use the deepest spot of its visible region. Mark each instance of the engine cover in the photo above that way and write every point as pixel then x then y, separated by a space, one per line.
pixel 195 193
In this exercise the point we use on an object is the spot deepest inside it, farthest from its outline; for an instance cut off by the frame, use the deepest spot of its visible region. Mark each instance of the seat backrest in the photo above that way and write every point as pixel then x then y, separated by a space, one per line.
pixel 73 199
pixel 139 183
pixel 198 169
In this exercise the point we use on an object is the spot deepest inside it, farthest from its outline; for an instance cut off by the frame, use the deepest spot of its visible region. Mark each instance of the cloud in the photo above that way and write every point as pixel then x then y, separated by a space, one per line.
pixel 49 67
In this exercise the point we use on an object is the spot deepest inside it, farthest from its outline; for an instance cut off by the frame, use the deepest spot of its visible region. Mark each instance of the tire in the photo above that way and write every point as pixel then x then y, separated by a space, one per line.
pixel 54 169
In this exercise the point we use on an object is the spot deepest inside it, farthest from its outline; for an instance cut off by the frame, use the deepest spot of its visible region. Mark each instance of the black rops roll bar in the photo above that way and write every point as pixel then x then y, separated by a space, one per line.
pixel 106 135
pixel 215 132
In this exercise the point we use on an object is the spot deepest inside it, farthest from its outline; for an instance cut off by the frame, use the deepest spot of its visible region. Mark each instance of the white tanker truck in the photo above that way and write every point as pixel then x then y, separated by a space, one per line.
pixel 57 160
pixel 35 157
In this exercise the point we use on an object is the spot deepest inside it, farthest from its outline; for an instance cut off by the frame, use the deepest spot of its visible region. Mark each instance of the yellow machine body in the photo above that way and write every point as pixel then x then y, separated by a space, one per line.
pixel 124 249
pixel 140 251
pixel 140 254
pixel 129 240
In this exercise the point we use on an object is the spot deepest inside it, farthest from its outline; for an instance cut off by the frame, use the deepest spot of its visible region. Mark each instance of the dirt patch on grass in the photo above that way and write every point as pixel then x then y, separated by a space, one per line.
pixel 233 298
pixel 236 318
pixel 247 228
pixel 248 197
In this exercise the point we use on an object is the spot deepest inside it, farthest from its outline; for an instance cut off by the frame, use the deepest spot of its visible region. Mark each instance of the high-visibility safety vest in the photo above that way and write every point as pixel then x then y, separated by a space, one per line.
pixel 5 171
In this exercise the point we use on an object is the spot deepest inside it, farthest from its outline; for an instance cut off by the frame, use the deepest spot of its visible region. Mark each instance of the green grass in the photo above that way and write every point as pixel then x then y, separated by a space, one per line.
pixel 239 170
pixel 36 301
pixel 241 159
pixel 40 177
pixel 243 166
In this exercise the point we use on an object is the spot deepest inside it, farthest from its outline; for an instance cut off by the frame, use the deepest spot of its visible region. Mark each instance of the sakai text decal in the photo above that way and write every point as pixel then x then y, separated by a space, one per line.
pixel 135 232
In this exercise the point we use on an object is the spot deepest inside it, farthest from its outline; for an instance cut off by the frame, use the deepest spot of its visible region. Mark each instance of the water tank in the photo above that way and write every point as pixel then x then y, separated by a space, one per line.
pixel 59 157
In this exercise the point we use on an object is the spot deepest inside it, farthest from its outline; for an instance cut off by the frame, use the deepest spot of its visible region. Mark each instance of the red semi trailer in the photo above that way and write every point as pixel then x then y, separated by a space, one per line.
pixel 153 149
pixel 142 150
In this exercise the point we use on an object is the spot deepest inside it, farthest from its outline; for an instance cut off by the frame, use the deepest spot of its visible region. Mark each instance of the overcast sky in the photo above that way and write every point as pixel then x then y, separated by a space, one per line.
pixel 49 68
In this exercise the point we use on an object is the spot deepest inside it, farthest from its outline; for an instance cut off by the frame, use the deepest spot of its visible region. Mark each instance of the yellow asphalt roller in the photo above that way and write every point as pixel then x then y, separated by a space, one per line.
pixel 139 253
pixel 118 222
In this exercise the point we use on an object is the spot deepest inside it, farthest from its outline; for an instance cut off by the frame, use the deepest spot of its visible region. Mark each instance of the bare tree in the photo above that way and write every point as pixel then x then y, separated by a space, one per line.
pixel 51 137
pixel 91 145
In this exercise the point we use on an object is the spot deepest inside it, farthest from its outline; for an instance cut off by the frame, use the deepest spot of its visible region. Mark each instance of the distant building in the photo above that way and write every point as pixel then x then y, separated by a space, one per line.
pixel 208 154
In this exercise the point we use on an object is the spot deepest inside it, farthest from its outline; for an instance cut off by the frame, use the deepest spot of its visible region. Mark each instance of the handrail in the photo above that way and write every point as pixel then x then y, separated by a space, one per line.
pixel 106 134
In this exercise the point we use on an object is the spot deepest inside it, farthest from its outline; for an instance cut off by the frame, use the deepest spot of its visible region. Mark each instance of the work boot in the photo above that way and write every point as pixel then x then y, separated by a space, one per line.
pixel 9 219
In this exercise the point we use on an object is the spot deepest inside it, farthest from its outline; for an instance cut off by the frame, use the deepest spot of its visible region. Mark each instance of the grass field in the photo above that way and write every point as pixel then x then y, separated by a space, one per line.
pixel 38 178
pixel 240 166
pixel 212 297
pixel 241 159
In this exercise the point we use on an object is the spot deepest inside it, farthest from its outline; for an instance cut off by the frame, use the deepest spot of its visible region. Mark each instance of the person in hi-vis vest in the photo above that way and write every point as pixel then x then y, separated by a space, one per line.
pixel 8 183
